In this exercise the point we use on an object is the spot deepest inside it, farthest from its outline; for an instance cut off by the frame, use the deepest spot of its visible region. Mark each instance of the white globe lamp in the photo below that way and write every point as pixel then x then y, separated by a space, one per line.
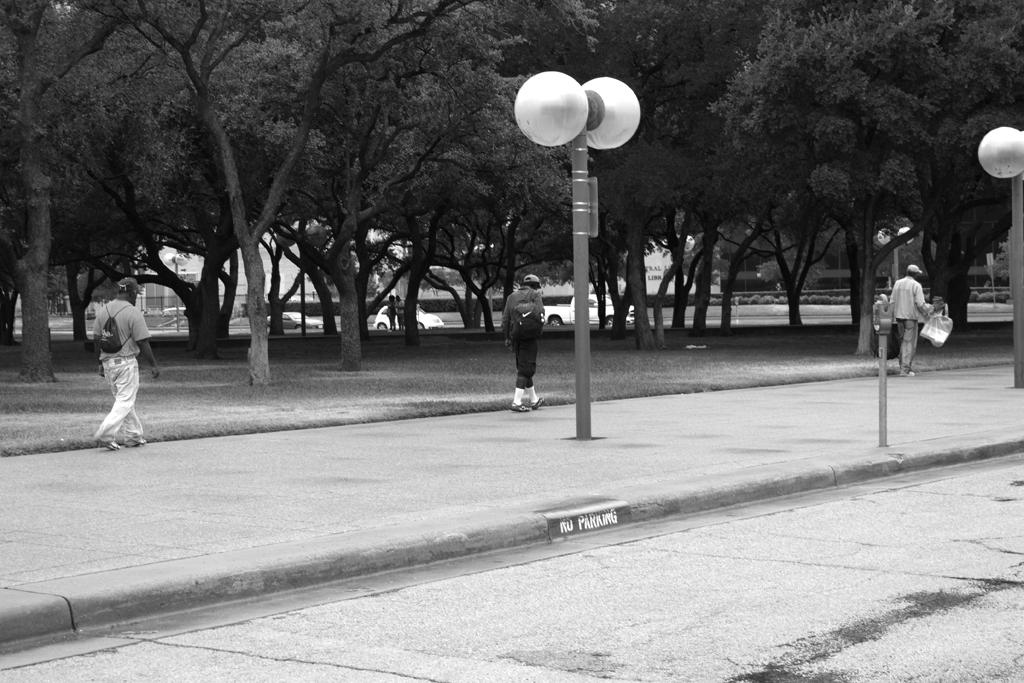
pixel 621 113
pixel 1001 152
pixel 551 108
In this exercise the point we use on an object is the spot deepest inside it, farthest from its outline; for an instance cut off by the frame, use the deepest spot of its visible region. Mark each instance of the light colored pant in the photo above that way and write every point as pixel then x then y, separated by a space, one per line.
pixel 908 342
pixel 123 376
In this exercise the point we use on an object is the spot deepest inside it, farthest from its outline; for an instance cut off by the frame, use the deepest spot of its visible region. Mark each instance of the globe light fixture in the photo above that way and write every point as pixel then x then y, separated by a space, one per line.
pixel 553 109
pixel 620 109
pixel 1001 154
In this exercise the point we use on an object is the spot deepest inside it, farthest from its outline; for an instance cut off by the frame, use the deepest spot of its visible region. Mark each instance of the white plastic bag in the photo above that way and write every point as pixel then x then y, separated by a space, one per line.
pixel 937 329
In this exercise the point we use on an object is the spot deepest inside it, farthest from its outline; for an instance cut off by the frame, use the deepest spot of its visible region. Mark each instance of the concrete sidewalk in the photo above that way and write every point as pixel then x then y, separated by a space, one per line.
pixel 93 538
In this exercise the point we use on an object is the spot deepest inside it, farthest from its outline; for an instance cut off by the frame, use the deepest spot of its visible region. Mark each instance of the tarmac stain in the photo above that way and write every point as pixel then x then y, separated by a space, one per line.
pixel 598 664
pixel 1019 482
pixel 816 648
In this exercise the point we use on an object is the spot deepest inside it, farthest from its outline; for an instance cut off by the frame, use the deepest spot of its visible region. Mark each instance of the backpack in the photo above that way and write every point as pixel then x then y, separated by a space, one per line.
pixel 527 323
pixel 110 335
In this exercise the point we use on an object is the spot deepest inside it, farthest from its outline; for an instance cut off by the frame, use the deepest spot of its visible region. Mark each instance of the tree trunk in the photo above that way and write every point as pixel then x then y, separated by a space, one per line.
pixel 636 277
pixel 274 304
pixel 208 295
pixel 793 306
pixel 659 315
pixel 256 309
pixel 854 259
pixel 227 306
pixel 703 294
pixel 32 269
pixel 323 293
pixel 78 328
pixel 866 297
pixel 8 300
pixel 350 343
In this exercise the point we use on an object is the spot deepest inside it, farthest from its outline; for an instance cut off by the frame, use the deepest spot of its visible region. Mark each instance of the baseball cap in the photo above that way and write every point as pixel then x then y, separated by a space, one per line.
pixel 128 284
pixel 913 270
pixel 531 280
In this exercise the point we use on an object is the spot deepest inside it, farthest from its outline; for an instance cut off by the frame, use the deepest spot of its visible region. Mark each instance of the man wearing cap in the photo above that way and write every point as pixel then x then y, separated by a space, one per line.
pixel 909 310
pixel 121 368
pixel 527 296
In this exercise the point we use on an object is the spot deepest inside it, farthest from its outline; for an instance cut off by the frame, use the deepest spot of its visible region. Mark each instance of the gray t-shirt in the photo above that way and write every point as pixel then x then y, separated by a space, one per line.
pixel 130 324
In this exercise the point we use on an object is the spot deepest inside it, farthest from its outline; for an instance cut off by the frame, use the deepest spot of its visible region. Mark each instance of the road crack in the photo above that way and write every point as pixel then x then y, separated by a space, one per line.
pixel 290 660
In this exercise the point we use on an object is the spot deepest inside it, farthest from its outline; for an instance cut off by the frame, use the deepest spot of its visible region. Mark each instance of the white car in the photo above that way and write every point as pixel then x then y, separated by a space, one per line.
pixel 424 320
pixel 293 320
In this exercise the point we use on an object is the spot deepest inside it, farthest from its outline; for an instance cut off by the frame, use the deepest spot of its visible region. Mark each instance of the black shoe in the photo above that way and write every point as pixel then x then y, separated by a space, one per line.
pixel 520 408
pixel 537 404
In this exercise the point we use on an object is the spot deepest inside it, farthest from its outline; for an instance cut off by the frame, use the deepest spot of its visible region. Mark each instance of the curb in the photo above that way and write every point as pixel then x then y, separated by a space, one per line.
pixel 59 608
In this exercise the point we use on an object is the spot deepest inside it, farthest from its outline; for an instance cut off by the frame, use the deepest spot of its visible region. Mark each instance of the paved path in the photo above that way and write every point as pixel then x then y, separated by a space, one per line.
pixel 91 538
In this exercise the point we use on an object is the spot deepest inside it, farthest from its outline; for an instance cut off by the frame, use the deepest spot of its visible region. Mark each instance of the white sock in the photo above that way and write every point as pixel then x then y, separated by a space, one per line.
pixel 531 395
pixel 517 398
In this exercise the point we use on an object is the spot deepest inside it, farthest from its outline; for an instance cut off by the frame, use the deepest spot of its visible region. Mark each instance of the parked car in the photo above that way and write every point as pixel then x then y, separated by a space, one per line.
pixel 291 320
pixel 424 320
pixel 566 315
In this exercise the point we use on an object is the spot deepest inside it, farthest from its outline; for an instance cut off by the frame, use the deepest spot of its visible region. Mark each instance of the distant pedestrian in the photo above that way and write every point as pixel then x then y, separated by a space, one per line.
pixel 392 311
pixel 400 312
pixel 121 368
pixel 526 301
pixel 909 310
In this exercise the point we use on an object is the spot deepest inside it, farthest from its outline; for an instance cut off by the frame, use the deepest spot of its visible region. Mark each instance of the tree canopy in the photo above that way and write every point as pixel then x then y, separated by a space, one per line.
pixel 374 138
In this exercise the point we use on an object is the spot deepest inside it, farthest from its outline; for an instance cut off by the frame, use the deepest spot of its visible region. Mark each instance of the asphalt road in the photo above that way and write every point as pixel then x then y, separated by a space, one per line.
pixel 914 577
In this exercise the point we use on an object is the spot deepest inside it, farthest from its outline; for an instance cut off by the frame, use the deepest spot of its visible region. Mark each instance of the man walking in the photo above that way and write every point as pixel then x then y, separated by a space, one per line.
pixel 524 302
pixel 121 368
pixel 909 309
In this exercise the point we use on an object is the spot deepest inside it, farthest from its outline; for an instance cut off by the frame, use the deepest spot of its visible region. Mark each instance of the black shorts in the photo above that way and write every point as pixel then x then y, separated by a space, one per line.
pixel 526 362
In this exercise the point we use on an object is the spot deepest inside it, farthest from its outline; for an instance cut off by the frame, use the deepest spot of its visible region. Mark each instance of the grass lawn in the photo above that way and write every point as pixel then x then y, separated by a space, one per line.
pixel 448 374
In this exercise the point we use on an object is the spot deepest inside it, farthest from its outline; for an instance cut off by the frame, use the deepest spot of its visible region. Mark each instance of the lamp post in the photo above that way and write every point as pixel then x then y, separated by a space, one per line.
pixel 552 109
pixel 1001 154
pixel 882 238
pixel 896 254
pixel 175 258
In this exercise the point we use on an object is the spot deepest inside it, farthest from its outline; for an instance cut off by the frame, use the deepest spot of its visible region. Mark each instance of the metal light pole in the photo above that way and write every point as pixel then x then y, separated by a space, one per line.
pixel 552 109
pixel 175 258
pixel 581 282
pixel 1001 154
pixel 896 255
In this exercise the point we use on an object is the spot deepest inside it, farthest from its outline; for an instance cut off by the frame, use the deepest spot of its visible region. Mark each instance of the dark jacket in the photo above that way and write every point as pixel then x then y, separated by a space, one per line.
pixel 514 299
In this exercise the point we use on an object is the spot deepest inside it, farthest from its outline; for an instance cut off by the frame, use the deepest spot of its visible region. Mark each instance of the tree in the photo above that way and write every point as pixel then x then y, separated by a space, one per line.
pixel 319 39
pixel 679 66
pixel 888 94
pixel 49 41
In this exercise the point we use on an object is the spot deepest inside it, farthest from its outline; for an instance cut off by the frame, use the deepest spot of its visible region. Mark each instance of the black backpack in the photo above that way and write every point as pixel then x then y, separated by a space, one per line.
pixel 527 323
pixel 110 335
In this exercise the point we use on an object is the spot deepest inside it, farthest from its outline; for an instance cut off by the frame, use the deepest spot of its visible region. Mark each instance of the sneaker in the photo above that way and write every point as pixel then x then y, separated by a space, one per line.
pixel 537 404
pixel 110 445
pixel 520 408
pixel 136 442
pixel 907 373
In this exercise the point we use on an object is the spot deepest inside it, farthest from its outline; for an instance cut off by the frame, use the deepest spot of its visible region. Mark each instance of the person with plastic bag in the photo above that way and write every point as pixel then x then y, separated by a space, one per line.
pixel 910 310
pixel 939 325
